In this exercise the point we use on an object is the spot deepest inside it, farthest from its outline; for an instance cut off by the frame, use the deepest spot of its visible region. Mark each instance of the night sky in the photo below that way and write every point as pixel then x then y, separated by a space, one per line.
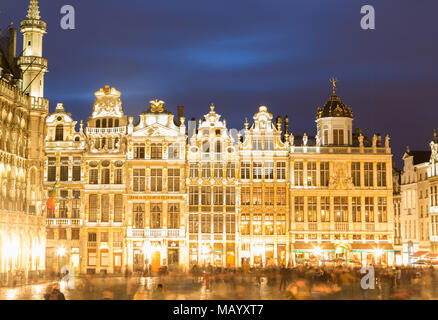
pixel 244 53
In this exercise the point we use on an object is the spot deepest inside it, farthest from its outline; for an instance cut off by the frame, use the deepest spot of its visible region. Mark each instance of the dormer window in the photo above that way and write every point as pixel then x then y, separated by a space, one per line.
pixel 59 134
pixel 110 123
pixel 98 123
pixel 257 143
pixel 269 143
pixel 338 136
pixel 103 123
pixel 156 151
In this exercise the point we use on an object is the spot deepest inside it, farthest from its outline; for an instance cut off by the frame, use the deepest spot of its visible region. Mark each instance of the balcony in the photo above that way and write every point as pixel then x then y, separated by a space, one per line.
pixel 33 61
pixel 156 233
pixel 63 222
pixel 312 226
pixel 115 130
pixel 370 227
pixel 341 226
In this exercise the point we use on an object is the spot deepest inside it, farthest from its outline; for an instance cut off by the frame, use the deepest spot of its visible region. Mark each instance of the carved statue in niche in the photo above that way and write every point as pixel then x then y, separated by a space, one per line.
pixel 340 179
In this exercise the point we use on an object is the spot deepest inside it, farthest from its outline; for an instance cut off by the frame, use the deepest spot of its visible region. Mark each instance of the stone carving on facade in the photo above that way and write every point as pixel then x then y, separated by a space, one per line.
pixel 305 140
pixel 318 140
pixel 339 179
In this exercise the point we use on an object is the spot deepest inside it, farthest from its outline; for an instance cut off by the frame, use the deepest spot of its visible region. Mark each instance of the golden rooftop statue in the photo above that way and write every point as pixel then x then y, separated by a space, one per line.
pixel 333 81
pixel 156 105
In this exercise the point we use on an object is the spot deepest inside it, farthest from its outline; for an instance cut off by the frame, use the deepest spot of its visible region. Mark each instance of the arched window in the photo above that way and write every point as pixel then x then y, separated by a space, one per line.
pixel 103 123
pixel 110 123
pixel 59 136
pixel 116 123
pixel 98 123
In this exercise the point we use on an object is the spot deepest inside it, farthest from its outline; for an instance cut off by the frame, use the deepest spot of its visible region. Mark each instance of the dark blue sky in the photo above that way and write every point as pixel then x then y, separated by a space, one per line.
pixel 243 53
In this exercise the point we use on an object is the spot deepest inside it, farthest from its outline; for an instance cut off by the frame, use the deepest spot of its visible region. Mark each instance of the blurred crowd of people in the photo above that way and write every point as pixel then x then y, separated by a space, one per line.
pixel 298 283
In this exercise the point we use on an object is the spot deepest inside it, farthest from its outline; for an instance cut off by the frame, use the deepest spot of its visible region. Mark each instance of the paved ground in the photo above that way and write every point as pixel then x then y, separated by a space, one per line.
pixel 177 288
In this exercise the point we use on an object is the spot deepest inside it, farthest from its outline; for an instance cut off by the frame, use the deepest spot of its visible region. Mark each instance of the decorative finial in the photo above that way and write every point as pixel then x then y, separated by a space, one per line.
pixel 33 12
pixel 408 149
pixel 157 105
pixel 333 81
pixel 212 106
pixel 246 123
pixel 434 136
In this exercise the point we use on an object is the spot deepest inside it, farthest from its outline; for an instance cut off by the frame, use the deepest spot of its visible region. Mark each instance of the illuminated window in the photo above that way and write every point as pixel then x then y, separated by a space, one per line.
pixel 173 216
pixel 341 209
pixel 156 151
pixel 356 207
pixel 231 170
pixel 218 223
pixel 118 207
pixel 193 196
pixel 245 171
pixel 156 179
pixel 325 209
pixel 173 180
pixel 269 196
pixel 156 209
pixel 194 170
pixel 269 171
pixel 298 173
pixel 173 151
pixel 218 170
pixel 139 151
pixel 205 223
pixel 59 135
pixel 324 173
pixel 193 223
pixel 355 173
pixel 230 223
pixel 205 167
pixel 381 174
pixel 257 143
pixel 138 210
pixel 281 196
pixel 369 209
pixel 257 196
pixel 218 196
pixel 382 210
pixel 139 181
pixel 269 143
pixel 230 196
pixel 105 208
pixel 205 196
pixel 245 224
pixel 93 208
pixel 338 136
pixel 245 196
pixel 257 170
pixel 311 209
pixel 368 173
pixel 51 170
pixel 257 224
pixel 281 224
pixel 64 169
pixel 311 173
pixel 281 170
pixel 299 209
pixel 268 224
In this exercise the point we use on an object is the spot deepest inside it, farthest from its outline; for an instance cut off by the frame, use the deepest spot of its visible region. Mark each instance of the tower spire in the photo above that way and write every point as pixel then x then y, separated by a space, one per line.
pixel 34 11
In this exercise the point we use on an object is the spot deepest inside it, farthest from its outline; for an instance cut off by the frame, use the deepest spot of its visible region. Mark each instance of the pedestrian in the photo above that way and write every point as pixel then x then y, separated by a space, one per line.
pixel 56 293
pixel 49 290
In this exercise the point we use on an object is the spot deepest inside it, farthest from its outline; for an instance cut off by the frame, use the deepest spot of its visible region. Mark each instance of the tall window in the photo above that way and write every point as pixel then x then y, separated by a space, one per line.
pixel 341 209
pixel 76 204
pixel 138 215
pixel 93 173
pixel 173 151
pixel 325 209
pixel 311 209
pixel 76 169
pixel 280 224
pixel 369 209
pixel 139 151
pixel 311 173
pixel 173 180
pixel 381 174
pixel 338 136
pixel 355 173
pixel 173 216
pixel 63 211
pixel 230 196
pixel 368 173
pixel 325 138
pixel 281 170
pixel 139 180
pixel 281 196
pixel 104 208
pixel 156 209
pixel 93 208
pixel 245 196
pixel 156 179
pixel 205 167
pixel 245 224
pixel 230 223
pixel 218 196
pixel 205 196
pixel 257 224
pixel 256 170
pixel 51 170
pixel 269 224
pixel 118 207
pixel 118 173
pixel 245 171
pixel 205 223
pixel 193 196
pixel 269 171
pixel 193 223
pixel 257 143
pixel 324 173
pixel 298 173
pixel 194 170
pixel 356 207
pixel 231 170
pixel 105 176
pixel 59 135
pixel 257 196
pixel 218 223
pixel 382 211
pixel 269 196
pixel 156 151
pixel 218 170
pixel 299 209
pixel 64 169
pixel 269 143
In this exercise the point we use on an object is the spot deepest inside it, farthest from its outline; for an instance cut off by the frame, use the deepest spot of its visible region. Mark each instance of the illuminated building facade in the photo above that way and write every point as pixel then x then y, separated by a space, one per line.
pixel 212 183
pixel 23 110
pixel 340 191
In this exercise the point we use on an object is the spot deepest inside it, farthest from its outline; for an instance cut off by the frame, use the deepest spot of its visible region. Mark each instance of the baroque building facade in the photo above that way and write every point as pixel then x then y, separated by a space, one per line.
pixel 157 193
pixel 23 109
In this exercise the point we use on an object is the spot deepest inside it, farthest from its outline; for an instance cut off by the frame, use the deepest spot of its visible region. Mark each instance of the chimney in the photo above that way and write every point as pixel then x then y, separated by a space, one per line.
pixel 180 114
pixel 12 45
pixel 286 125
